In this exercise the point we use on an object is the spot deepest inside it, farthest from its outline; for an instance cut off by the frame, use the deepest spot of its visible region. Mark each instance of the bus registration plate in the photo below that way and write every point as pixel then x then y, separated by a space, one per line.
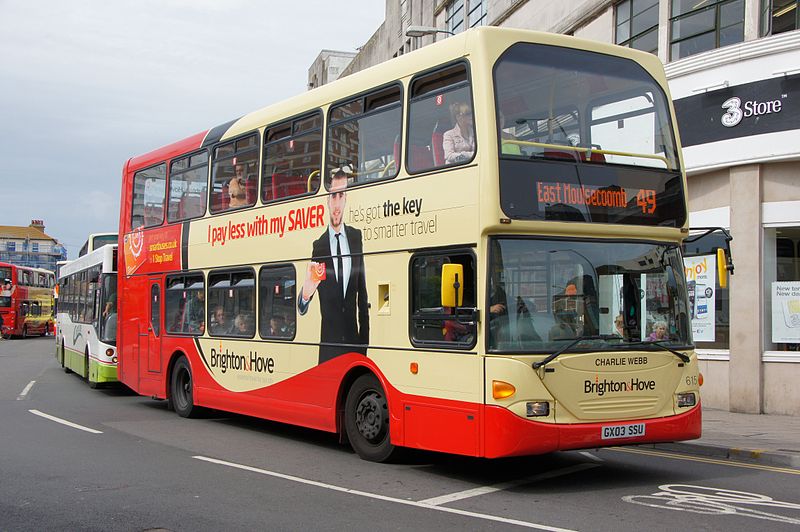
pixel 610 432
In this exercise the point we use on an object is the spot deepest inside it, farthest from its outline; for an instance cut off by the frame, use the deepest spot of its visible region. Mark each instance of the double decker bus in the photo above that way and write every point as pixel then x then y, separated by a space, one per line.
pixel 473 248
pixel 96 241
pixel 26 300
pixel 86 323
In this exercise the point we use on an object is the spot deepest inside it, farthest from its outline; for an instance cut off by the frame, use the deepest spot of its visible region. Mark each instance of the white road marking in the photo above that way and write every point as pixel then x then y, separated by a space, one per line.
pixel 715 501
pixel 591 456
pixel 64 422
pixel 382 497
pixel 483 490
pixel 25 391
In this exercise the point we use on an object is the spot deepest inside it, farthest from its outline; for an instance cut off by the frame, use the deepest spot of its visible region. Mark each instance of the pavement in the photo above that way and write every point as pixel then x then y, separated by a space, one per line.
pixel 757 438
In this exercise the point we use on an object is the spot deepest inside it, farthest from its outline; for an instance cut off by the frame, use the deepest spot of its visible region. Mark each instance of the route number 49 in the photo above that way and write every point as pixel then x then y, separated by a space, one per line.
pixel 646 199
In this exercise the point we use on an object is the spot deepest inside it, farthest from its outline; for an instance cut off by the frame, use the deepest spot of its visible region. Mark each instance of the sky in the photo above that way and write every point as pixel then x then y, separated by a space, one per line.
pixel 87 84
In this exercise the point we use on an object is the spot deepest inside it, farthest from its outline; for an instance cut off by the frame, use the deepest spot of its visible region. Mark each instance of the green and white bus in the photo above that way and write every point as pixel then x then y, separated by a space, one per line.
pixel 87 316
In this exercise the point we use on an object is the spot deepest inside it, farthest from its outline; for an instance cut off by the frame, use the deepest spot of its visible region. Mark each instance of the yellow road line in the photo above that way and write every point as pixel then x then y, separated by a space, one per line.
pixel 677 456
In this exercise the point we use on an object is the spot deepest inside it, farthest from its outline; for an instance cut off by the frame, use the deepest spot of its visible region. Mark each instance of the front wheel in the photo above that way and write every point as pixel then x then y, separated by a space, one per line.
pixel 181 389
pixel 367 419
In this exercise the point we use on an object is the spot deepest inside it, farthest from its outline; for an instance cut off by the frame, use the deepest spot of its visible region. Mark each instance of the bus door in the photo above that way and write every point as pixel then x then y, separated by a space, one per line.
pixel 154 328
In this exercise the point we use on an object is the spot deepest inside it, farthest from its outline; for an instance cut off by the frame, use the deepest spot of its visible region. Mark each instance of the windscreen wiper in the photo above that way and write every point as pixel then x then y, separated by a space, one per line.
pixel 662 346
pixel 573 343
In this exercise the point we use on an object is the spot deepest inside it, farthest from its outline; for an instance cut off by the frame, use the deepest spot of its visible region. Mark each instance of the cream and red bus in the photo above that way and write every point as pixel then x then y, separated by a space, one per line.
pixel 473 248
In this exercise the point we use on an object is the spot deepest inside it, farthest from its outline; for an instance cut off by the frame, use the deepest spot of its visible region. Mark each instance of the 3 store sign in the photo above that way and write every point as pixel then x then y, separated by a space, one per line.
pixel 735 111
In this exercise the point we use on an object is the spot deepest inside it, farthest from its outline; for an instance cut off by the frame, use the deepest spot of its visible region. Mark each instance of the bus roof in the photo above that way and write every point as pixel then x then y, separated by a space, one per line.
pixel 102 255
pixel 428 57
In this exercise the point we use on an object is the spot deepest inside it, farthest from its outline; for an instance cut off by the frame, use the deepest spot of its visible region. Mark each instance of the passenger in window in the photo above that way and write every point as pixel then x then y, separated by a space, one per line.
pixel 197 313
pixel 659 332
pixel 459 143
pixel 277 326
pixel 237 188
pixel 619 325
pixel 219 321
pixel 243 324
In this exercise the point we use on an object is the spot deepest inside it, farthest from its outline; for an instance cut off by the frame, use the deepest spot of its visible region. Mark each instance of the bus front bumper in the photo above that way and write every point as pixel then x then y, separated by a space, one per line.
pixel 510 435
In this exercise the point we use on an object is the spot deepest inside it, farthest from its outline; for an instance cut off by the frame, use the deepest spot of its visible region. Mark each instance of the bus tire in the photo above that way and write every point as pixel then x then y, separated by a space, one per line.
pixel 24 331
pixel 366 419
pixel 86 366
pixel 182 389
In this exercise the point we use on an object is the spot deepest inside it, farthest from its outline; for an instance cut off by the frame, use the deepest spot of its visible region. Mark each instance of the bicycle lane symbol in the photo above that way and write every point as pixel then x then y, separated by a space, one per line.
pixel 716 501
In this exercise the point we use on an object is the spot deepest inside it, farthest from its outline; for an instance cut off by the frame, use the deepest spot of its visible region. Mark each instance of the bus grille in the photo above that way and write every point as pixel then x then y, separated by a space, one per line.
pixel 619 406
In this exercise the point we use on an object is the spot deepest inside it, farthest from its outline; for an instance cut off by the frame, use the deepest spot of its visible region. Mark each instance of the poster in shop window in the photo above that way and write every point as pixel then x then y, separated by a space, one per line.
pixel 786 312
pixel 701 282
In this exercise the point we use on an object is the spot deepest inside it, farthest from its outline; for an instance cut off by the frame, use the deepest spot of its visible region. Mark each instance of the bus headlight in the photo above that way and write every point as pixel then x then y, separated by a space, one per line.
pixel 537 409
pixel 109 352
pixel 686 399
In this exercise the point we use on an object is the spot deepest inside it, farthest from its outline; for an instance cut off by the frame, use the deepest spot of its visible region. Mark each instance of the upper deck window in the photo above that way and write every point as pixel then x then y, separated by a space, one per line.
pixel 364 136
pixel 560 103
pixel 188 187
pixel 585 136
pixel 234 178
pixel 149 191
pixel 441 130
pixel 292 158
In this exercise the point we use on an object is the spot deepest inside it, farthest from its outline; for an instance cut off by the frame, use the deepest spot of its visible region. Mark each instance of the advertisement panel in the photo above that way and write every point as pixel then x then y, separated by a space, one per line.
pixel 786 312
pixel 701 282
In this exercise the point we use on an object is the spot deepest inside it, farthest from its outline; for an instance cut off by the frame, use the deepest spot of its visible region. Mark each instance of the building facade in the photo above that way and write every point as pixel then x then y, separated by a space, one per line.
pixel 30 246
pixel 734 73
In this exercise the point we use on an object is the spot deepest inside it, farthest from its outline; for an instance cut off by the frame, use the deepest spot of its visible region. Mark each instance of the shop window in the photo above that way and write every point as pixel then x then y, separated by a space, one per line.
pixel 364 137
pixel 779 16
pixel 701 26
pixel 149 190
pixel 709 304
pixel 637 24
pixel 782 289
pixel 277 302
pixel 432 323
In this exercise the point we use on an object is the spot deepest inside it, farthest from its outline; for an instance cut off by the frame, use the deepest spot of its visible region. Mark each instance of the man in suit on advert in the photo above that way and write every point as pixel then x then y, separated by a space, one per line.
pixel 336 271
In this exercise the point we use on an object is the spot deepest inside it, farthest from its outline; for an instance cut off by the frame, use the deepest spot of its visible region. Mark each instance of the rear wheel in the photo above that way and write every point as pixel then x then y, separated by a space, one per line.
pixel 181 389
pixel 367 419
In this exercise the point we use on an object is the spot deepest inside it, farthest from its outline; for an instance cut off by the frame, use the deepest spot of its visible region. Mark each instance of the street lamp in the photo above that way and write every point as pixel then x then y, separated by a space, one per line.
pixel 422 31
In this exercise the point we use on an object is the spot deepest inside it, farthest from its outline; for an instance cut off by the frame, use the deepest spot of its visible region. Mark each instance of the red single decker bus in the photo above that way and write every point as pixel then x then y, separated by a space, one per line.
pixel 26 300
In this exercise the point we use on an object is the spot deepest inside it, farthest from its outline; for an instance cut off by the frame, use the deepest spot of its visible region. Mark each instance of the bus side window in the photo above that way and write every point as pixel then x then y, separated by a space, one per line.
pixel 292 158
pixel 363 134
pixel 149 190
pixel 430 321
pixel 440 120
pixel 277 297
pixel 234 174
pixel 188 187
